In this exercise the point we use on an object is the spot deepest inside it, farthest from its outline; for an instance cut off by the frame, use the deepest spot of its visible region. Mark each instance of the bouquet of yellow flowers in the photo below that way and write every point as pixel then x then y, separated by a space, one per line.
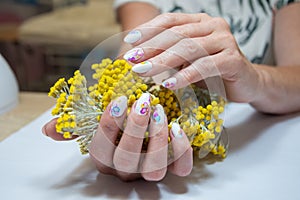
pixel 79 107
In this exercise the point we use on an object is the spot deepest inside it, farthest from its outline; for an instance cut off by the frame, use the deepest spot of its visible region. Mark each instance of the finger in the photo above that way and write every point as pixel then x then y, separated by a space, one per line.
pixel 209 66
pixel 102 146
pixel 167 38
pixel 182 152
pixel 49 130
pixel 160 23
pixel 154 165
pixel 127 154
pixel 124 176
pixel 185 51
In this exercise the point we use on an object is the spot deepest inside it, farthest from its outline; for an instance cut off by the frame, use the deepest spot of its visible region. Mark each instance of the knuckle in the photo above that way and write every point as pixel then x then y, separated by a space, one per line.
pixel 167 18
pixel 234 55
pixel 227 36
pixel 159 136
pixel 204 15
pixel 180 31
pixel 188 75
pixel 125 161
pixel 137 122
pixel 189 45
pixel 186 30
pixel 161 59
pixel 109 127
pixel 220 22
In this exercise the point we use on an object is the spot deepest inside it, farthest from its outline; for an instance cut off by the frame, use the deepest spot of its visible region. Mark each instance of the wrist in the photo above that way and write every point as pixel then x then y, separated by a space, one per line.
pixel 264 98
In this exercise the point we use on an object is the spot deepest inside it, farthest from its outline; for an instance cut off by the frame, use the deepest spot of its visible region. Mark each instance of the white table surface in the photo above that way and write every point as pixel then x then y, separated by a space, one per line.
pixel 263 163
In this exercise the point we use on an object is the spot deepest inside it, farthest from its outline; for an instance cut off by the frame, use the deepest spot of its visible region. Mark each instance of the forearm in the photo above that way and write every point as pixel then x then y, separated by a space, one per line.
pixel 280 86
pixel 133 14
pixel 279 89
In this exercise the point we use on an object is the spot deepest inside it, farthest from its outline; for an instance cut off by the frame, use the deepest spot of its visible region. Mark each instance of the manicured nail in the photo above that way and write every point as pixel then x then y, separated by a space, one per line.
pixel 176 130
pixel 118 106
pixel 134 54
pixel 44 130
pixel 143 104
pixel 171 82
pixel 133 36
pixel 158 114
pixel 142 67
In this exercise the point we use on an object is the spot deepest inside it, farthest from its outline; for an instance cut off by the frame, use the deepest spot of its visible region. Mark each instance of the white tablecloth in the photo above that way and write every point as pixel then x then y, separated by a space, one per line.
pixel 263 163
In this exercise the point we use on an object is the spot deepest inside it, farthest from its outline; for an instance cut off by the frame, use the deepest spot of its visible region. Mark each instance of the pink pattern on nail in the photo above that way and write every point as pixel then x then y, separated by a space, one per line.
pixel 156 116
pixel 134 54
pixel 171 82
pixel 143 104
pixel 168 84
pixel 144 108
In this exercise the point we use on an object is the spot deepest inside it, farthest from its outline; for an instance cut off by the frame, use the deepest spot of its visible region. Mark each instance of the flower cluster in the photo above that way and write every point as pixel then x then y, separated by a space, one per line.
pixel 79 107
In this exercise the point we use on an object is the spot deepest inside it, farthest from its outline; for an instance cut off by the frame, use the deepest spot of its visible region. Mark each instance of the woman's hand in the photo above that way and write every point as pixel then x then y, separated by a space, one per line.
pixel 123 157
pixel 202 44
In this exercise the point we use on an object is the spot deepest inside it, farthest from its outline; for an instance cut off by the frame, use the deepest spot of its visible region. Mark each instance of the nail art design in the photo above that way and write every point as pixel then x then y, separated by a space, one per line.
pixel 158 114
pixel 171 82
pixel 142 67
pixel 134 54
pixel 133 36
pixel 176 130
pixel 118 106
pixel 143 104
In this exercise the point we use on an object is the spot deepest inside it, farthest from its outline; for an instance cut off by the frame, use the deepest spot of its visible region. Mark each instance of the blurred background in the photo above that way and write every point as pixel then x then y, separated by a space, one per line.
pixel 43 40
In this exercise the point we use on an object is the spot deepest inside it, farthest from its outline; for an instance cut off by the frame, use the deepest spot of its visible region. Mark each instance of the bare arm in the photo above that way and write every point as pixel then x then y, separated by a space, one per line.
pixel 133 14
pixel 280 86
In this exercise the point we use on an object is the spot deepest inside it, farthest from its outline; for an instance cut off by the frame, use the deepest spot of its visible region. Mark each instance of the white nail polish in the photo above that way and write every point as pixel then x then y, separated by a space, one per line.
pixel 169 83
pixel 143 104
pixel 142 67
pixel 158 115
pixel 118 106
pixel 134 54
pixel 176 130
pixel 133 36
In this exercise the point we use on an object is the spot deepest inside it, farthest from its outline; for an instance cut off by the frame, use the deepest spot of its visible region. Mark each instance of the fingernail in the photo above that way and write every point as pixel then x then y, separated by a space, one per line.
pixel 176 130
pixel 133 36
pixel 158 114
pixel 142 67
pixel 134 54
pixel 143 104
pixel 171 82
pixel 118 106
pixel 44 130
